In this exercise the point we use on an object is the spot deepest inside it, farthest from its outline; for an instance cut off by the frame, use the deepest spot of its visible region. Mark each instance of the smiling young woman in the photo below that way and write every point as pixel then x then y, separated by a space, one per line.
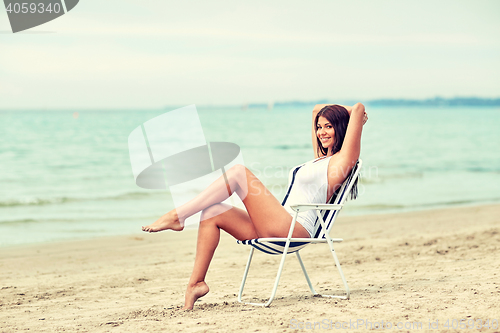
pixel 336 142
pixel 336 132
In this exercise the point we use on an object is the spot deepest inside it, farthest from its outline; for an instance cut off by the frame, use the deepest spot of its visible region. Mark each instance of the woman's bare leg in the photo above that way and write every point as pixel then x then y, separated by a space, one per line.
pixel 265 217
pixel 217 192
pixel 235 221
pixel 267 214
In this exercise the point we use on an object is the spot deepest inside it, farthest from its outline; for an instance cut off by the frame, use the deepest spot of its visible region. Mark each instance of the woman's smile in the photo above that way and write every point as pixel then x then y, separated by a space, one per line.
pixel 325 139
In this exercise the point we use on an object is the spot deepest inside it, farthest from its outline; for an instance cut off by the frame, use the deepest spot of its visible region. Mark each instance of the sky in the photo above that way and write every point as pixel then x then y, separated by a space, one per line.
pixel 149 54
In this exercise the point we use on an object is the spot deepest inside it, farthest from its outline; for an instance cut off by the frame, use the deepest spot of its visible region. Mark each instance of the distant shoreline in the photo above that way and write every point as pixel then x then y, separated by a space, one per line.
pixel 455 102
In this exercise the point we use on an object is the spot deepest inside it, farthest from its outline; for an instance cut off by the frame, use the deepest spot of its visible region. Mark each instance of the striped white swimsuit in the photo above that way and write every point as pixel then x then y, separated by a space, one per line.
pixel 308 183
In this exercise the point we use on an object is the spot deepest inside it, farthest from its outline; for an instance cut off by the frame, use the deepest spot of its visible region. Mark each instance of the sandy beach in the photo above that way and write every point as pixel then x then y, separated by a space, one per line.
pixel 403 269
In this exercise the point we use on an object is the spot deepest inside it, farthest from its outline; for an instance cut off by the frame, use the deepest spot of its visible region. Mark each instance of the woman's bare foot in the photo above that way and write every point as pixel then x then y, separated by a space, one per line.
pixel 200 289
pixel 169 221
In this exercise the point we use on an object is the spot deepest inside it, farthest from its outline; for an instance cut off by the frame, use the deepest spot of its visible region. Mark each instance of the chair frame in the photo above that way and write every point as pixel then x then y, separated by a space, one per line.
pixel 299 208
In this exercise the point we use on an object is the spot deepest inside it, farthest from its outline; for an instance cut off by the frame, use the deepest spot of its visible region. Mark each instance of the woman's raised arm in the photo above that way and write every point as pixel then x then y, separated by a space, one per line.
pixel 349 153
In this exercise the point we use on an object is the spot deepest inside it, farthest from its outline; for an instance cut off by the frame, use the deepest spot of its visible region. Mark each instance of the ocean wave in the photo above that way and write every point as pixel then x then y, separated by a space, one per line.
pixel 71 222
pixel 61 200
pixel 408 207
pixel 30 220
pixel 21 221
pixel 378 207
pixel 132 195
pixel 35 201
pixel 291 146
pixel 483 169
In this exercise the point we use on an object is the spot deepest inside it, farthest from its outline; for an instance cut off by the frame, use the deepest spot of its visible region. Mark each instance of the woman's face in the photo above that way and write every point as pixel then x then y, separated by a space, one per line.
pixel 325 133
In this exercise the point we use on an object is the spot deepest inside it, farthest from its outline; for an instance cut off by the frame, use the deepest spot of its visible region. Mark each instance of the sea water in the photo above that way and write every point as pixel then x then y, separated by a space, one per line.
pixel 67 174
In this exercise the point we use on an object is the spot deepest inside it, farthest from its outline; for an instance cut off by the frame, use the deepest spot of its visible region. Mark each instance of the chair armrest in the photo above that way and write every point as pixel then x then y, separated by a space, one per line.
pixel 305 207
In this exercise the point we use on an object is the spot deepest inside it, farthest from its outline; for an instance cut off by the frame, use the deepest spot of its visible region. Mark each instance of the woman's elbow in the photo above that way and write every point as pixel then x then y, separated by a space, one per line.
pixel 359 106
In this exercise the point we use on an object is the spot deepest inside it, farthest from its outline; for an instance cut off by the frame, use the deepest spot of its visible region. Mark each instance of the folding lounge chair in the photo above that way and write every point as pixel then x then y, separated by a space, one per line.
pixel 326 216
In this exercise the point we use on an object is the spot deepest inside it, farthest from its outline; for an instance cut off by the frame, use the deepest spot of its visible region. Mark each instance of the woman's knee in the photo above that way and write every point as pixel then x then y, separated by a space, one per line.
pixel 238 177
pixel 238 172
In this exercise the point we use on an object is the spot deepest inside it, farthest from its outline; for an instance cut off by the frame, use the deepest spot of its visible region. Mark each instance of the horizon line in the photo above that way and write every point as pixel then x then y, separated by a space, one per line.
pixel 437 101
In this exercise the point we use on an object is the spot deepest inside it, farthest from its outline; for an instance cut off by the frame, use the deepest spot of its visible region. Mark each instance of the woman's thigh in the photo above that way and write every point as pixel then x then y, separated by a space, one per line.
pixel 232 220
pixel 267 214
pixel 237 222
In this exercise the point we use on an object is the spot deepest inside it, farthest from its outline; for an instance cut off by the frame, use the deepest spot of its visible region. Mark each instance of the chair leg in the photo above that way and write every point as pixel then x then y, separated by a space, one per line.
pixel 276 282
pixel 337 263
pixel 305 274
pixel 245 274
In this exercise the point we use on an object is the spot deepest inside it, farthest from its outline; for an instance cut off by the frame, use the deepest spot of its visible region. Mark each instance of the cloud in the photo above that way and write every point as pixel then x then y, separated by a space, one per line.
pixel 126 53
